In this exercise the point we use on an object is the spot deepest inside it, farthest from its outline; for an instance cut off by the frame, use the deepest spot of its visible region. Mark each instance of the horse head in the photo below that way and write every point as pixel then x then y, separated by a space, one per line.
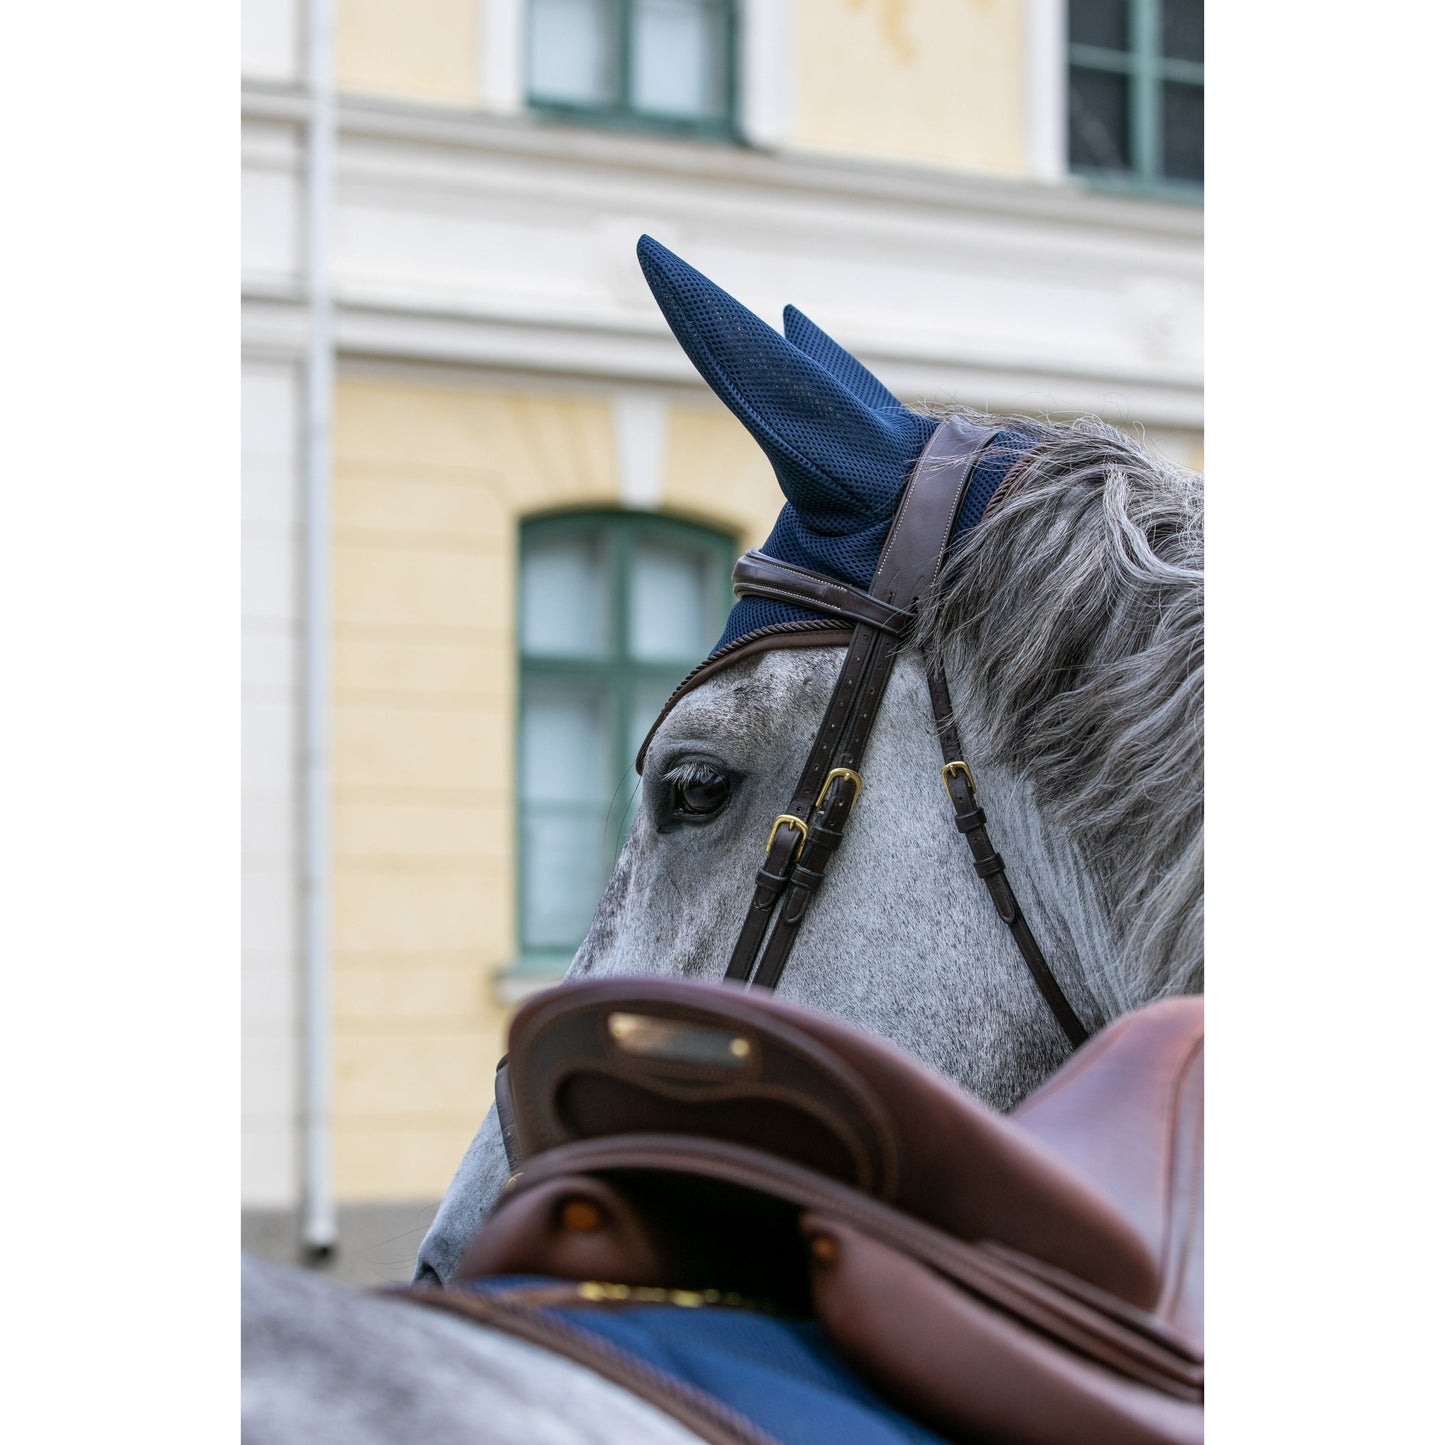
pixel 1067 624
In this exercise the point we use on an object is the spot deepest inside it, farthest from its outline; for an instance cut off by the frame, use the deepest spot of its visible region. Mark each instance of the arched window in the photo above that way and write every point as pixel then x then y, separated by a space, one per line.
pixel 614 608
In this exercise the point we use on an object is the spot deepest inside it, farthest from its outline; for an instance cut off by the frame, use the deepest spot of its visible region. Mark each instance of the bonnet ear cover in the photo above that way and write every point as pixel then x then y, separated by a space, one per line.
pixel 840 442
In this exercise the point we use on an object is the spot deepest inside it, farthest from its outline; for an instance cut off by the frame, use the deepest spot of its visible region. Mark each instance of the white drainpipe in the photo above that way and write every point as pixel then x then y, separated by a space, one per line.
pixel 318 1229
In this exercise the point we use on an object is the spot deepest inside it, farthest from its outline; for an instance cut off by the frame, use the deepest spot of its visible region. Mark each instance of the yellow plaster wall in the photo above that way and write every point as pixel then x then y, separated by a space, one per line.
pixel 926 82
pixel 430 484
pixel 421 49
pixel 714 472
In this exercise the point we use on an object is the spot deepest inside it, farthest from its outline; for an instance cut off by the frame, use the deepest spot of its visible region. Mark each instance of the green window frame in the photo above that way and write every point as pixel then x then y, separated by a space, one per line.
pixel 618 108
pixel 595 683
pixel 1163 93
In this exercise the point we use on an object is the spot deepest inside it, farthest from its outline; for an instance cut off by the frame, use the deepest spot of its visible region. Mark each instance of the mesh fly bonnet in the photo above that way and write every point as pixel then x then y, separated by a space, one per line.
pixel 842 445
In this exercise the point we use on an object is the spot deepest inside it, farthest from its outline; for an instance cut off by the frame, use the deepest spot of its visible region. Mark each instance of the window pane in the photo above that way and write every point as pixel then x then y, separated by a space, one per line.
pixel 678 57
pixel 671 604
pixel 1099 22
pixel 583 709
pixel 573 51
pixel 565 610
pixel 566 743
pixel 1184 132
pixel 567 789
pixel 565 863
pixel 1099 120
pixel 646 704
pixel 1184 29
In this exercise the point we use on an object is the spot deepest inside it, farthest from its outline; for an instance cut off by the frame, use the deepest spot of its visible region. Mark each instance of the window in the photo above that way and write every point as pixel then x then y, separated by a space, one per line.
pixel 1136 94
pixel 615 608
pixel 656 64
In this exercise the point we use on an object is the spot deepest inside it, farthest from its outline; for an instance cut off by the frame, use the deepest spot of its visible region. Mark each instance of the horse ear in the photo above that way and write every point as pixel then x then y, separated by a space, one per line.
pixel 839 459
pixel 813 341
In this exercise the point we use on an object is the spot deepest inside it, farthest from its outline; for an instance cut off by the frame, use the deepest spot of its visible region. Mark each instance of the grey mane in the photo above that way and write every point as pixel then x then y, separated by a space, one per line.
pixel 1075 614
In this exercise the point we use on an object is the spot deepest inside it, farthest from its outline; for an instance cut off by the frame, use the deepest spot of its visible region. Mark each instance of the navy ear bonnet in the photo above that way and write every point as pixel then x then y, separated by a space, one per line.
pixel 841 443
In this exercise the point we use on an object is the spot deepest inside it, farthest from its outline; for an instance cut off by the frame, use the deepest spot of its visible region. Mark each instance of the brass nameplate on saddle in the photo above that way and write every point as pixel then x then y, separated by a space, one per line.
pixel 682 1043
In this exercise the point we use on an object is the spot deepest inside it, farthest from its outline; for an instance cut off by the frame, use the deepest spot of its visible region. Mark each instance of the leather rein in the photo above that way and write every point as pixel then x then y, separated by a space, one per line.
pixel 807 833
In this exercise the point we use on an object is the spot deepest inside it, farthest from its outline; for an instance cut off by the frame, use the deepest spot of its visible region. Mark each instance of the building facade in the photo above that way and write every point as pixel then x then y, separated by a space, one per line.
pixel 455 538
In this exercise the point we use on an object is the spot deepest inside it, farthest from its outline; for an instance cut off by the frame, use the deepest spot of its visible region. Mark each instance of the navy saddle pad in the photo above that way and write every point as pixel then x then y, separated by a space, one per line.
pixel 778 1373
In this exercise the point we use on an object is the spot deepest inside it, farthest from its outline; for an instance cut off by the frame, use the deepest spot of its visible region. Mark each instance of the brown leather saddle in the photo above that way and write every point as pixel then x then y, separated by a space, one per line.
pixel 1035 1277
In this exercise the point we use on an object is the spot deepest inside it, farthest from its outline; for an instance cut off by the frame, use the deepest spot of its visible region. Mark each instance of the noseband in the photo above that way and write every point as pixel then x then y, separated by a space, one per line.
pixel 807 833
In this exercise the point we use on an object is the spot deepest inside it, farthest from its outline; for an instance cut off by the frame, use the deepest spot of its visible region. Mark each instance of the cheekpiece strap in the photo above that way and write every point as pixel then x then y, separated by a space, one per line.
pixel 805 837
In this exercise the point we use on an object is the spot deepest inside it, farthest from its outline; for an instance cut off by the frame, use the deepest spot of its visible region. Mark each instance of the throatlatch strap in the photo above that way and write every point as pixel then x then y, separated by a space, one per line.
pixel 970 820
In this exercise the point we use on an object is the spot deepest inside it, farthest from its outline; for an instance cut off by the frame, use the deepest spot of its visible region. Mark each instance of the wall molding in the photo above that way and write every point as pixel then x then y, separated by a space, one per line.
pixel 504 243
pixel 1048 89
pixel 767 68
pixel 501 70
pixel 529 138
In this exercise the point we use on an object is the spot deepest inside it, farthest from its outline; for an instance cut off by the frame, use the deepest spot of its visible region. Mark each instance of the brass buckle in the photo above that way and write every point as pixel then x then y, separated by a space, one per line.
pixel 959 766
pixel 798 823
pixel 840 773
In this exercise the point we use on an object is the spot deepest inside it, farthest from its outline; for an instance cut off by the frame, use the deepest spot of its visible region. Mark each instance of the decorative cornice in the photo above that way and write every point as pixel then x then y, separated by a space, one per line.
pixel 863 180
pixel 514 259
pixel 371 328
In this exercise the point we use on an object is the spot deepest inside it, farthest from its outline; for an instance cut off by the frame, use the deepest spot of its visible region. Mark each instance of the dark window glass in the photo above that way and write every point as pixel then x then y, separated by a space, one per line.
pixel 1184 132
pixel 1099 120
pixel 1104 23
pixel 1136 94
pixel 1184 29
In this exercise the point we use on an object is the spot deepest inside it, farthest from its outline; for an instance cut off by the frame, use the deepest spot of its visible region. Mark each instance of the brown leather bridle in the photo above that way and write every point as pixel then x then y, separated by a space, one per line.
pixel 807 833
pixel 876 625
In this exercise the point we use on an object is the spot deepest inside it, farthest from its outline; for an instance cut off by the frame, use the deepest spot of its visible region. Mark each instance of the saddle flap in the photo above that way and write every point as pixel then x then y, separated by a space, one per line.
pixel 628 1057
pixel 1127 1113
pixel 1007 1367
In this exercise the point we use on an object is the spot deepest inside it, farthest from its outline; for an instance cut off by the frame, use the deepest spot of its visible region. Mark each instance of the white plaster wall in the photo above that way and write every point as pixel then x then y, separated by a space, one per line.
pixel 767 72
pixel 469 241
pixel 464 239
pixel 271 39
pixel 501 83
pixel 270 693
pixel 272 225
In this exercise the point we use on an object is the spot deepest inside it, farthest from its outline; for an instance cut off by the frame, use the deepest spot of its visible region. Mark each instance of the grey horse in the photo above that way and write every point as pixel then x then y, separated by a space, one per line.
pixel 1069 624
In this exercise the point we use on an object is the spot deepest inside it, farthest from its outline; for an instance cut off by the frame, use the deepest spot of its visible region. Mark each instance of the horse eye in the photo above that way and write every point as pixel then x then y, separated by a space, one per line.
pixel 703 793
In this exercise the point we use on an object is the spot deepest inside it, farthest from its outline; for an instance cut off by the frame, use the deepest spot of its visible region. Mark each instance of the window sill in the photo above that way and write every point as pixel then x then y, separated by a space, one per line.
pixel 721 132
pixel 528 974
pixel 1179 193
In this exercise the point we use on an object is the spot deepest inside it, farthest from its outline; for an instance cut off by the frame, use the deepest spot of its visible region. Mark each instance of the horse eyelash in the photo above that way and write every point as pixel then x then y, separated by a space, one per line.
pixel 690 770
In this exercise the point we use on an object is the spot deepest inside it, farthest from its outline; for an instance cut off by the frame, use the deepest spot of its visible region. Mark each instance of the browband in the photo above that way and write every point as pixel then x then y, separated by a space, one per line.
pixel 755 574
